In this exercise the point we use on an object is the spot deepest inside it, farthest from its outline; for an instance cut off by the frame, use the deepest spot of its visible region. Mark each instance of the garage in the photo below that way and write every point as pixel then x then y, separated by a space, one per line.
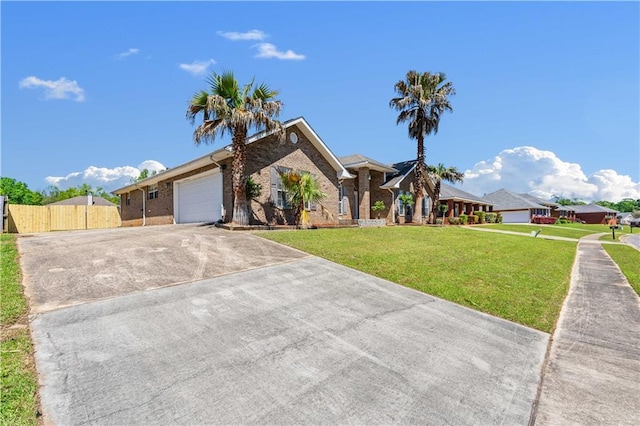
pixel 518 216
pixel 198 198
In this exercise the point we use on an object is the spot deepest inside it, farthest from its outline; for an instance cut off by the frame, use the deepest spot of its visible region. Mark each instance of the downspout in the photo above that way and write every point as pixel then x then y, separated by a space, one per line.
pixel 144 207
pixel 223 212
pixel 393 206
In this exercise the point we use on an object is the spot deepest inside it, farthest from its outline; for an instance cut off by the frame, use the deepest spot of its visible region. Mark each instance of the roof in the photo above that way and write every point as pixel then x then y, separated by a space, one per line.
pixel 448 192
pixel 227 152
pixel 503 199
pixel 539 200
pixel 403 169
pixel 82 200
pixel 591 208
pixel 357 161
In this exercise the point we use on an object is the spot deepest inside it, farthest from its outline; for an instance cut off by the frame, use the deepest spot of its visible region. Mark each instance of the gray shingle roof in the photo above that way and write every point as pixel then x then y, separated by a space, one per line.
pixel 448 192
pixel 539 200
pixel 503 199
pixel 355 161
pixel 591 208
pixel 403 168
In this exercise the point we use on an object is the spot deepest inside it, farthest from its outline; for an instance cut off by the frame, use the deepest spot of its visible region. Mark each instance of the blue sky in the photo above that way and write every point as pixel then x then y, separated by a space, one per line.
pixel 547 96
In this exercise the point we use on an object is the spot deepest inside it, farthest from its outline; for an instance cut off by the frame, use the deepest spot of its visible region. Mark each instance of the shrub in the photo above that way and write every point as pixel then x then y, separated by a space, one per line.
pixel 473 219
pixel 499 218
pixel 491 217
pixel 453 220
pixel 463 219
pixel 481 216
pixel 439 221
pixel 378 207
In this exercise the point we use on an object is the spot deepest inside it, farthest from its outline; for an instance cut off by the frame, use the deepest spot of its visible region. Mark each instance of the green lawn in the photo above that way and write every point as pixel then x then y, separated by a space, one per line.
pixel 567 230
pixel 18 382
pixel 521 279
pixel 628 260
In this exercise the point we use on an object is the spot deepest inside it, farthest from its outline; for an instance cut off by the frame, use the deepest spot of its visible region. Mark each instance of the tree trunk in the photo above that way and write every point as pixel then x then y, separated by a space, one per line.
pixel 436 199
pixel 240 213
pixel 417 216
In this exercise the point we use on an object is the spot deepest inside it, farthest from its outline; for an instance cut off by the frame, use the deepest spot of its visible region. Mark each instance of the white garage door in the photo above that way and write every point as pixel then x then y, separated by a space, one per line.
pixel 521 216
pixel 198 199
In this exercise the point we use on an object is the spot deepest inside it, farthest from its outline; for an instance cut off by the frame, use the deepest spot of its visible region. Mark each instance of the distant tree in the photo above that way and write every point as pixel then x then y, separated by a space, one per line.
pixel 145 173
pixel 18 192
pixel 567 202
pixel 53 194
pixel 231 108
pixel 422 99
pixel 438 174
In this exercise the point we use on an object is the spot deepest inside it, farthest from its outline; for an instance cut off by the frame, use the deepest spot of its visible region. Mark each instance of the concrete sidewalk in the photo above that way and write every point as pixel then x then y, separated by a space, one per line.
pixel 592 375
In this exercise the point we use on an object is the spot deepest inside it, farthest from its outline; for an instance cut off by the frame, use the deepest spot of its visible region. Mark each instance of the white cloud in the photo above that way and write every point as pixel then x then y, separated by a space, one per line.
pixel 540 173
pixel 249 35
pixel 131 51
pixel 197 67
pixel 268 50
pixel 103 177
pixel 59 89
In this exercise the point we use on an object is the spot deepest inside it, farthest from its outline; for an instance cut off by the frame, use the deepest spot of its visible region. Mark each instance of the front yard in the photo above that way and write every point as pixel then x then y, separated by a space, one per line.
pixel 520 279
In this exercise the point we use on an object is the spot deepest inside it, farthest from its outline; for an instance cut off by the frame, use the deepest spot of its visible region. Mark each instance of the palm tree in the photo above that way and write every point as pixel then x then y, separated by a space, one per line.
pixel 230 108
pixel 422 98
pixel 302 189
pixel 438 174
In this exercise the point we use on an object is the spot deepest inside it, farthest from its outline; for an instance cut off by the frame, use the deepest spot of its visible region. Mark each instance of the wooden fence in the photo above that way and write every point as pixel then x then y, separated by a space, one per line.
pixel 26 219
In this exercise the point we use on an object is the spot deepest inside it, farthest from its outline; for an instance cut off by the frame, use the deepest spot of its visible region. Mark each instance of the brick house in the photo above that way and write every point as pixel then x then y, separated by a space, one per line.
pixel 201 189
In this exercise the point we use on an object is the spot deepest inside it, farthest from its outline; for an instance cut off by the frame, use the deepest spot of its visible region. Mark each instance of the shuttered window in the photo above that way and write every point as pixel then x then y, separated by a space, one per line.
pixel 278 193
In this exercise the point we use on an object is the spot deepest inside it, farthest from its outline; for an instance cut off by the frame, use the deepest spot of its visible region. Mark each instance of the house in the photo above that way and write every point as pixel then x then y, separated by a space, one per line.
pixel 517 208
pixel 83 200
pixel 201 189
pixel 628 219
pixel 593 213
pixel 380 182
pixel 460 202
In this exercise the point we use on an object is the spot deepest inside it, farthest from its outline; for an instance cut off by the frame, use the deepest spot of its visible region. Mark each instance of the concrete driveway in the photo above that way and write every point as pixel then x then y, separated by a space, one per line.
pixel 290 339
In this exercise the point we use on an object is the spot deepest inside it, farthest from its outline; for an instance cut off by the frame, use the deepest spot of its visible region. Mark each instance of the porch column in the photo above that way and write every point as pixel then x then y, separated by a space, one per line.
pixel 364 208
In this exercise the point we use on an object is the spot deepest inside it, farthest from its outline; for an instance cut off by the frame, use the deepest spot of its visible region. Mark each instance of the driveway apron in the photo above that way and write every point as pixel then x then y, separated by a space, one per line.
pixel 593 372
pixel 303 341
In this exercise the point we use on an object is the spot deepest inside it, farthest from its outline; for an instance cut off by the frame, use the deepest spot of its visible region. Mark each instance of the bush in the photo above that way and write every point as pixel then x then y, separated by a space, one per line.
pixel 473 219
pixel 453 220
pixel 439 221
pixel 499 218
pixel 491 217
pixel 463 219
pixel 481 216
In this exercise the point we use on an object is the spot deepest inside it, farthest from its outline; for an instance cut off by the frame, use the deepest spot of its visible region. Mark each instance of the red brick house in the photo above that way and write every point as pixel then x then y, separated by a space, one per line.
pixel 201 189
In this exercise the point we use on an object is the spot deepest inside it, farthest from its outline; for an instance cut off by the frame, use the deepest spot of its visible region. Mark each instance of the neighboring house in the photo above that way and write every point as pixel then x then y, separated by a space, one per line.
pixel 84 200
pixel 628 219
pixel 201 189
pixel 459 201
pixel 594 214
pixel 516 208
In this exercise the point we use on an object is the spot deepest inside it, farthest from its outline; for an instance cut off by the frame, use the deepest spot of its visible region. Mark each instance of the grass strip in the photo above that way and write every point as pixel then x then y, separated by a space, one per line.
pixel 18 378
pixel 520 279
pixel 628 260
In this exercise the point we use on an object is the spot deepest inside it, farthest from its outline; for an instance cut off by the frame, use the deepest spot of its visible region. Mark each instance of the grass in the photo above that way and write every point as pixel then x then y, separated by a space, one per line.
pixel 520 279
pixel 18 380
pixel 567 230
pixel 627 259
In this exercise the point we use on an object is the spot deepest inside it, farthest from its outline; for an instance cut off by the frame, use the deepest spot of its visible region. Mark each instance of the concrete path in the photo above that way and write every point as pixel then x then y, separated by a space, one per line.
pixel 593 372
pixel 305 341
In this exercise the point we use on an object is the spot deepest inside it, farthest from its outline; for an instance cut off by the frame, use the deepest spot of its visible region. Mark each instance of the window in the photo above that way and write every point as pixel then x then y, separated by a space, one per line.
pixel 153 191
pixel 342 199
pixel 401 211
pixel 128 199
pixel 278 193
